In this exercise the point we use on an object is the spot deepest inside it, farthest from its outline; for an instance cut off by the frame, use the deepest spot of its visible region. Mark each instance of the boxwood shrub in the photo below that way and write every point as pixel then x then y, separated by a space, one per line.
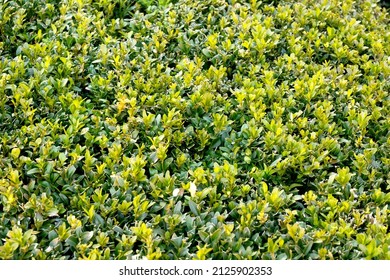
pixel 213 129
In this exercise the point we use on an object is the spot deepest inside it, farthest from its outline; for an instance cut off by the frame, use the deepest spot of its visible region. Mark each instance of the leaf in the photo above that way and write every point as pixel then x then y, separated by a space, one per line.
pixel 282 256
pixel 177 241
pixel 264 188
pixel 176 192
pixel 64 198
pixel 99 220
pixel 70 172
pixel 178 208
pixel 72 241
pixel 15 153
pixel 32 171
pixel 308 248
pixel 62 157
pixel 52 212
pixel 86 236
pixel 19 50
pixel 193 207
pixel 192 189
pixel 207 53
pixel 52 234
pixel 216 235
pixel 117 229
pixel 204 236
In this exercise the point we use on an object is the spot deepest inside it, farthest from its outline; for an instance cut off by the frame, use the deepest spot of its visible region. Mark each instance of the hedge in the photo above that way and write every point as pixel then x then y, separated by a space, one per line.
pixel 213 129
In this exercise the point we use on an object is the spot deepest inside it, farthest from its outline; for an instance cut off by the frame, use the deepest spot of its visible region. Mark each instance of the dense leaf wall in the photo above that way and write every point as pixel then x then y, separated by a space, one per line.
pixel 194 130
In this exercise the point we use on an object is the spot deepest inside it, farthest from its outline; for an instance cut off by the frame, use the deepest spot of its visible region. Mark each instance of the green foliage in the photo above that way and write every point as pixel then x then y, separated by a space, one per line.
pixel 216 129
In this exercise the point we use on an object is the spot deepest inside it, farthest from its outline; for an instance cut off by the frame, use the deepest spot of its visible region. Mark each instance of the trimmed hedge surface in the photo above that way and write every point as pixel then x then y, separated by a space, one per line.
pixel 194 129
